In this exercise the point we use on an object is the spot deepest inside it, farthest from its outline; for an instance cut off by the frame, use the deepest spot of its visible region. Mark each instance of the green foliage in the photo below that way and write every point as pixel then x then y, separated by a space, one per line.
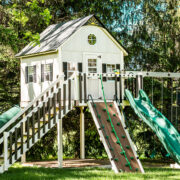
pixel 152 41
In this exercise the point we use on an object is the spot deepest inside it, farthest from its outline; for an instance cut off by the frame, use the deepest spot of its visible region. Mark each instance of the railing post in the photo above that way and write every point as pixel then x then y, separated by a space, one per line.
pixel 54 107
pixel 120 88
pixel 85 89
pixel 116 87
pixel 5 137
pixel 64 98
pixel 137 85
pixel 69 94
pixel 59 102
pixel 76 87
pixel 80 87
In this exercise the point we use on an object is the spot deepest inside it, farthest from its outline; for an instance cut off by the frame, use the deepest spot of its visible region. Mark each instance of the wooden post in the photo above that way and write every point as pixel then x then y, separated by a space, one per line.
pixel 80 87
pixel 85 89
pixel 5 138
pixel 82 134
pixel 120 88
pixel 23 157
pixel 60 143
pixel 64 98
pixel 69 94
pixel 137 85
pixel 116 87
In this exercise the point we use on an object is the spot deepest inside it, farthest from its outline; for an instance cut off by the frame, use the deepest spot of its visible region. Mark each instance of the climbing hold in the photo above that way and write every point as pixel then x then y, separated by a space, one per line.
pixel 123 136
pixel 111 149
pixel 114 115
pixel 120 170
pixel 111 105
pixel 116 159
pixel 102 126
pixel 127 147
pixel 108 120
pixel 107 137
pixel 117 142
pixel 132 157
pixel 112 131
pixel 104 109
pixel 122 152
pixel 99 116
pixel 118 124
pixel 94 105
pixel 137 169
pixel 127 164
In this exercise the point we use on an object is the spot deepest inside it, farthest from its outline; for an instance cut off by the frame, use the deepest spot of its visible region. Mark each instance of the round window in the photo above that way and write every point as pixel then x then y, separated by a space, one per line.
pixel 92 39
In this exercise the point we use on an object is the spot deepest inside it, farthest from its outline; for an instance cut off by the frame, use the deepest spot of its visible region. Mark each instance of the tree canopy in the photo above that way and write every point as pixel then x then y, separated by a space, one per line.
pixel 148 29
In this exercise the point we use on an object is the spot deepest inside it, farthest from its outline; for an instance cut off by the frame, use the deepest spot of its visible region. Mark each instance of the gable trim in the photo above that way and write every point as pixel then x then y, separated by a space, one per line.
pixel 38 54
pixel 114 41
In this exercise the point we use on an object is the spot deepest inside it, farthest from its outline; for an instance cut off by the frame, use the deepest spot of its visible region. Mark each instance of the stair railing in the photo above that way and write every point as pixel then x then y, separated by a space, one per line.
pixel 39 117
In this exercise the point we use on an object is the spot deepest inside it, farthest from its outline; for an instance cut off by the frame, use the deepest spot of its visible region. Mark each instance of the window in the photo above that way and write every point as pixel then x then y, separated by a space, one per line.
pixel 71 67
pixel 92 39
pixel 92 65
pixel 110 69
pixel 30 74
pixel 46 72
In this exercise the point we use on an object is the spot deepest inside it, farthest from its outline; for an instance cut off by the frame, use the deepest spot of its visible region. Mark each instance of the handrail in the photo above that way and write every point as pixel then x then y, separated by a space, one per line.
pixel 45 100
pixel 118 140
pixel 32 103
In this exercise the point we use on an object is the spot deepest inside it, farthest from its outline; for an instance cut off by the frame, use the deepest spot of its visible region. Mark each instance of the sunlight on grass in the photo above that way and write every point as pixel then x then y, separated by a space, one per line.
pixel 17 172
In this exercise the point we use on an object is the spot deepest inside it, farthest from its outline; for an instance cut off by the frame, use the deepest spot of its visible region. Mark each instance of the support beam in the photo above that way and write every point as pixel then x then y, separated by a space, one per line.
pixel 60 143
pixel 82 134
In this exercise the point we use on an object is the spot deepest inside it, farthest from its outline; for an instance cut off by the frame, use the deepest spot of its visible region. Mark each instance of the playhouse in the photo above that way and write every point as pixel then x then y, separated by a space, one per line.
pixel 83 45
pixel 80 64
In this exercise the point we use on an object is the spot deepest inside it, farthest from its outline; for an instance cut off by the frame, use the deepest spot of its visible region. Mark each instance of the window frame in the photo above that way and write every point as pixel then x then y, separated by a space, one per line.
pixel 110 78
pixel 92 39
pixel 30 76
pixel 92 67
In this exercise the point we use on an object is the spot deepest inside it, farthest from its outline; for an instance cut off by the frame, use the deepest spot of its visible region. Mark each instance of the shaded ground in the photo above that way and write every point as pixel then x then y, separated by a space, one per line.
pixel 18 172
pixel 73 163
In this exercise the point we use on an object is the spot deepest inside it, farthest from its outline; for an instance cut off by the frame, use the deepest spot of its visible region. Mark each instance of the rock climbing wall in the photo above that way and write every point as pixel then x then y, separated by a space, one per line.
pixel 115 137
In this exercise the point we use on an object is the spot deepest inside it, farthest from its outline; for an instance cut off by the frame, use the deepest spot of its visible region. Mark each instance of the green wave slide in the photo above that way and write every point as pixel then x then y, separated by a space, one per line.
pixel 163 128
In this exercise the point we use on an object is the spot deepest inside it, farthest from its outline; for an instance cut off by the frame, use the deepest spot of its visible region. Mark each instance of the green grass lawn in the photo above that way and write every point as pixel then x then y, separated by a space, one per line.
pixel 17 172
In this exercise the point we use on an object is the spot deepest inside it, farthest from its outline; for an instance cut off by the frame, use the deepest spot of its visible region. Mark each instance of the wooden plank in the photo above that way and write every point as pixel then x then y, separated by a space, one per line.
pixel 85 89
pixel 10 145
pixel 64 98
pixel 39 117
pixel 15 143
pixel 137 86
pixel 33 122
pixel 120 88
pixel 44 116
pixel 115 87
pixel 27 132
pixel 59 102
pixel 69 94
pixel 22 138
pixel 80 88
pixel 54 107
pixel 49 112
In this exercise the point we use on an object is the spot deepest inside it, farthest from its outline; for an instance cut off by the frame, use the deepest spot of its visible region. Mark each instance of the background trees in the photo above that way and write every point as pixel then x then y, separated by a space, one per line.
pixel 148 29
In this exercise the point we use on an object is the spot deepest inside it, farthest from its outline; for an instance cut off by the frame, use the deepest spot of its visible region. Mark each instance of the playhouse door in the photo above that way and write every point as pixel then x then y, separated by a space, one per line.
pixel 93 64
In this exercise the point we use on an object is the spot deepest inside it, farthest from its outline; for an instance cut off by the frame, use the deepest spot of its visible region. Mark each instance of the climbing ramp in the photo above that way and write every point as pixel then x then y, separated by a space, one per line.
pixel 163 128
pixel 115 137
